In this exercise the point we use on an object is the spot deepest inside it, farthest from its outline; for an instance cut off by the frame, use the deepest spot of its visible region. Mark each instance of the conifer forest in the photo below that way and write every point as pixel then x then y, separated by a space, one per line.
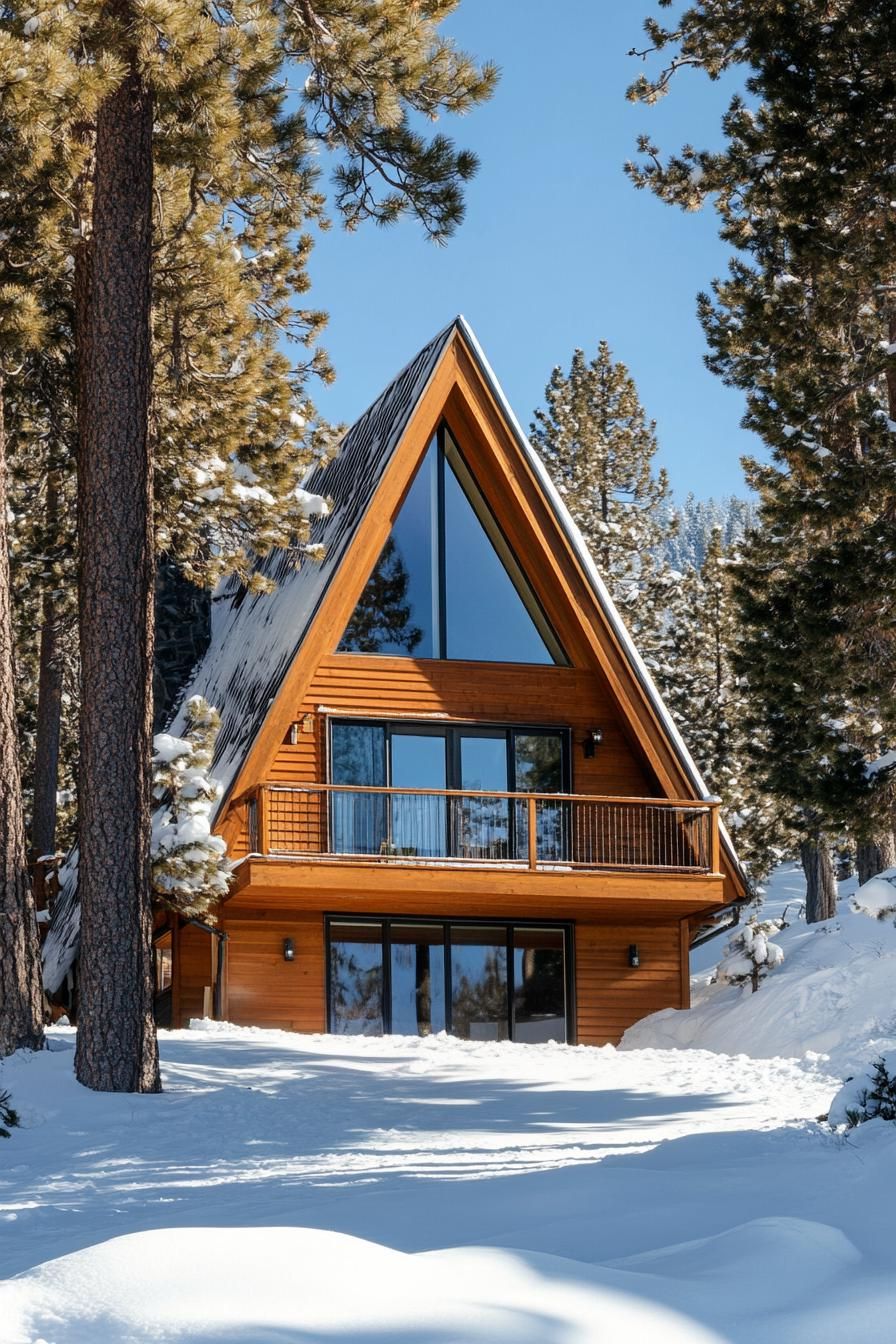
pixel 170 173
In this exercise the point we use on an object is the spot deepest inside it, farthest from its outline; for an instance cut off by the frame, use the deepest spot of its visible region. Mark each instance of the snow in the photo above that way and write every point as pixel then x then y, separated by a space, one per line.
pixel 436 1191
pixel 266 1280
pixel 878 896
pixel 831 1002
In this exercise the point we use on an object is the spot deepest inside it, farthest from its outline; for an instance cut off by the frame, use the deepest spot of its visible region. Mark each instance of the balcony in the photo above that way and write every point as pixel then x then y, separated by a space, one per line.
pixel 429 828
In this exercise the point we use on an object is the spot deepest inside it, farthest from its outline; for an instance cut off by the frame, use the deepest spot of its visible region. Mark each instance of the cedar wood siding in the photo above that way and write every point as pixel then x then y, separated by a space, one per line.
pixel 348 685
pixel 266 991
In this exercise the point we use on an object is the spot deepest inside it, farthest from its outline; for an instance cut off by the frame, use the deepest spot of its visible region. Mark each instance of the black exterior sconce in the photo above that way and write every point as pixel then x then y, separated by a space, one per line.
pixel 634 956
pixel 591 741
pixel 289 950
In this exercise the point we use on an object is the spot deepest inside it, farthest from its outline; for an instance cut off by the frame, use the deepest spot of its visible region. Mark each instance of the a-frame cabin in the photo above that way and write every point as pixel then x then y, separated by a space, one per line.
pixel 455 798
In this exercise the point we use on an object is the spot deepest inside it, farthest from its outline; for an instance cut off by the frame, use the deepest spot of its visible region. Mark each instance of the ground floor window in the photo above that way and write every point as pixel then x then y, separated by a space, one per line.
pixel 480 981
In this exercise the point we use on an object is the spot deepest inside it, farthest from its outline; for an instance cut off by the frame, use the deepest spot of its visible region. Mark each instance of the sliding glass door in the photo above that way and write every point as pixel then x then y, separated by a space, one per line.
pixel 479 763
pixel 480 980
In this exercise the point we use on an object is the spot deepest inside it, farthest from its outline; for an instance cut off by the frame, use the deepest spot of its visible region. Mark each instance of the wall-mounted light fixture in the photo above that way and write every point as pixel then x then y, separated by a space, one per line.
pixel 634 957
pixel 289 950
pixel 592 740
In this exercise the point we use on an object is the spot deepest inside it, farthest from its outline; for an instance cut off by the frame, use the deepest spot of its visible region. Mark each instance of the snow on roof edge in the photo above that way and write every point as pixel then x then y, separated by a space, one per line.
pixel 577 541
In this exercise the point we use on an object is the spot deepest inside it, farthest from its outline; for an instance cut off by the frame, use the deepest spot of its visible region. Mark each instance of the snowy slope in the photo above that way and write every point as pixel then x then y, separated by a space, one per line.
pixel 440 1192
pixel 832 997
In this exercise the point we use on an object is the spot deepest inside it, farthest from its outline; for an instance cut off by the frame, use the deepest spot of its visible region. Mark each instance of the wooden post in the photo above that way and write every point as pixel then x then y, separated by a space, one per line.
pixel 261 819
pixel 533 832
pixel 715 853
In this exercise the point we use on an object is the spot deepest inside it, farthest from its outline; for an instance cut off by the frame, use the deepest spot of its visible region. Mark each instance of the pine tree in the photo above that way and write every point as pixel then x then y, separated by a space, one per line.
pixel 193 178
pixel 25 302
pixel 598 446
pixel 190 868
pixel 695 669
pixel 751 954
pixel 698 519
pixel 805 324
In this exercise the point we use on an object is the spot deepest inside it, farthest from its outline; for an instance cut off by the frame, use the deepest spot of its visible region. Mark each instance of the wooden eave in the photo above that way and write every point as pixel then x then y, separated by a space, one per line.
pixel 431 889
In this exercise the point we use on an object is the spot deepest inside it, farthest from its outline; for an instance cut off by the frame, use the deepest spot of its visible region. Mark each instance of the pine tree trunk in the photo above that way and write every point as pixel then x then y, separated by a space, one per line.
pixel 49 709
pixel 875 855
pixel 21 998
pixel 821 884
pixel 117 1048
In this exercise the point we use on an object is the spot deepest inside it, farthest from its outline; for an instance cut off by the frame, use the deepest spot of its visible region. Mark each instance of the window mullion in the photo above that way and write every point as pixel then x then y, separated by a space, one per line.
pixel 442 625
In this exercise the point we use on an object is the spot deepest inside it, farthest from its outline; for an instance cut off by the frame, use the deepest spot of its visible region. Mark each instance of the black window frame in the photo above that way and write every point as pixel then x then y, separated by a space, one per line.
pixel 565 927
pixel 453 730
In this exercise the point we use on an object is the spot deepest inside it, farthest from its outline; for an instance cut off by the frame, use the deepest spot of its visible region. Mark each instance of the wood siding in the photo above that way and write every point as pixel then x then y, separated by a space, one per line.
pixel 348 684
pixel 263 990
pixel 611 995
pixel 195 960
pixel 266 991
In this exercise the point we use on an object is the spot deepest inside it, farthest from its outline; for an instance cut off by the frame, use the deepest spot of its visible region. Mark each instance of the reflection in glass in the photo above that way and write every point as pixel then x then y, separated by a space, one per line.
pixel 539 985
pixel 396 611
pixel 418 979
pixel 486 617
pixel 163 963
pixel 483 824
pixel 479 983
pixel 449 579
pixel 538 768
pixel 356 979
pixel 419 820
pixel 358 820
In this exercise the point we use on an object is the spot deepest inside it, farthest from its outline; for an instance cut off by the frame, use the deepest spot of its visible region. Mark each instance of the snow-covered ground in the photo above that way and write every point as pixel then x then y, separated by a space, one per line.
pixel 834 995
pixel 401 1191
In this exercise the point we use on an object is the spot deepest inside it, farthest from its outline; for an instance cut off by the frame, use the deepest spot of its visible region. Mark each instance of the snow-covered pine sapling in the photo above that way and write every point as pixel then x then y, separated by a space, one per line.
pixel 869 1096
pixel 8 1117
pixel 751 954
pixel 190 869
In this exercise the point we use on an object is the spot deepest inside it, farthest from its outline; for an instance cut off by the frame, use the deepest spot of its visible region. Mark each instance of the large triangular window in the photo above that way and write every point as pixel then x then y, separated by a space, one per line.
pixel 447 584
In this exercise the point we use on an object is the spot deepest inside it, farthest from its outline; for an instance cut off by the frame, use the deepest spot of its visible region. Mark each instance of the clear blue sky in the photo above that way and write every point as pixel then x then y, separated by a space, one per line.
pixel 558 249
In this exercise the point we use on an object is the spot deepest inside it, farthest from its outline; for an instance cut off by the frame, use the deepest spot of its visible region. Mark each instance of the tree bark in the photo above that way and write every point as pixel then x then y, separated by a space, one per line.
pixel 49 709
pixel 821 884
pixel 117 1048
pixel 21 997
pixel 875 855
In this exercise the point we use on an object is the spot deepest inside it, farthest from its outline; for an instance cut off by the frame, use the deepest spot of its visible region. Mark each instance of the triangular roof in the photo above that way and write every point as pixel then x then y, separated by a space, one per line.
pixel 257 638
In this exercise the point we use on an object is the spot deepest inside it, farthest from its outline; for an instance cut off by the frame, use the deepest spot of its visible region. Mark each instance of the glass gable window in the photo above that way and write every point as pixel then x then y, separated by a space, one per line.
pixel 447 584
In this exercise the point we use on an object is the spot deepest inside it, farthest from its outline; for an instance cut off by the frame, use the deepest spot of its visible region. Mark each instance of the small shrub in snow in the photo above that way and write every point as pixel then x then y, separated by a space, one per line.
pixel 877 896
pixel 8 1117
pixel 869 1096
pixel 190 868
pixel 751 954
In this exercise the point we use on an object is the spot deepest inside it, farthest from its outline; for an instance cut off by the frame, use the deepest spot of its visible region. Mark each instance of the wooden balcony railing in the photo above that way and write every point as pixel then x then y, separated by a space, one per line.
pixel 443 826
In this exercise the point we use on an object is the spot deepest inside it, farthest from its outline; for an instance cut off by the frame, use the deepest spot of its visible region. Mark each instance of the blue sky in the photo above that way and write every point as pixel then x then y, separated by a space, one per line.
pixel 558 249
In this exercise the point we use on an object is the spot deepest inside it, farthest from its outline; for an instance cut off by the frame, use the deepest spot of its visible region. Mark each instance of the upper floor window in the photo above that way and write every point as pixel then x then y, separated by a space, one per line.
pixel 447 584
